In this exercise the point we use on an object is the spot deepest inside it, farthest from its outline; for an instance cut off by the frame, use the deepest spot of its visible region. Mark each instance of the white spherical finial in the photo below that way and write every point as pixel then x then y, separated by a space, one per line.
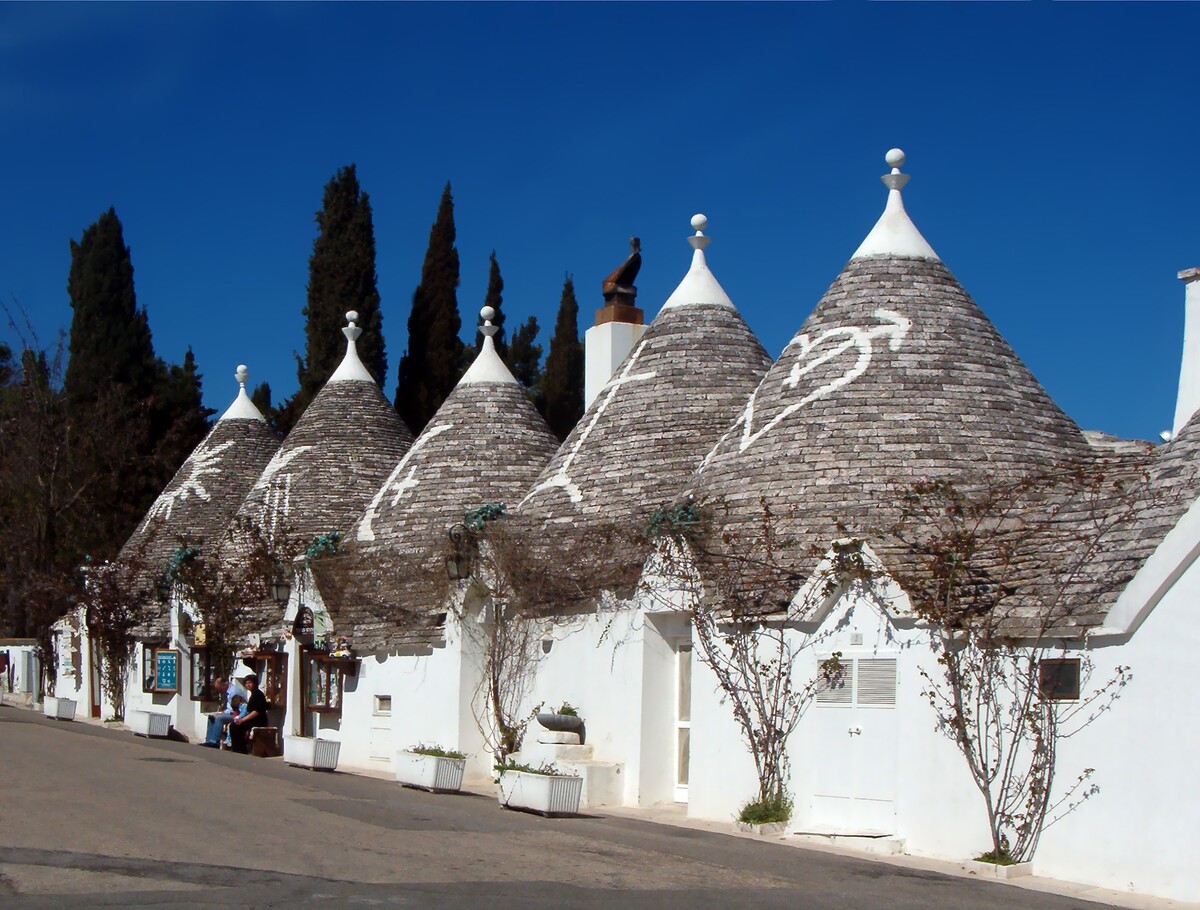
pixel 894 158
pixel 242 373
pixel 699 222
pixel 352 316
pixel 487 314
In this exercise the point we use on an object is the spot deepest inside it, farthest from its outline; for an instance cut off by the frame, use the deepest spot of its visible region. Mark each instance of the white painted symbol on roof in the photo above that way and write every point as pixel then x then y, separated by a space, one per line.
pixel 277 498
pixel 203 463
pixel 562 477
pixel 366 529
pixel 811 353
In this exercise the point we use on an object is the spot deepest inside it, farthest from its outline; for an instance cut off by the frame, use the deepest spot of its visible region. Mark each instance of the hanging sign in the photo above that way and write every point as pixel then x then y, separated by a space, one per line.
pixel 303 628
pixel 166 671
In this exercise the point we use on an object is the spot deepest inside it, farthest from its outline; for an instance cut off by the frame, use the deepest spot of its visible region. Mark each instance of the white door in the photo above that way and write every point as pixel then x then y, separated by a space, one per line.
pixel 854 770
pixel 683 718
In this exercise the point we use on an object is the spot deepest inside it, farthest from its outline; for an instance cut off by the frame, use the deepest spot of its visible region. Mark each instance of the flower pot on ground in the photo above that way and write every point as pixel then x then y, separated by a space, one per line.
pixel 59 708
pixel 766 817
pixel 431 768
pixel 997 870
pixel 537 790
pixel 310 752
pixel 148 723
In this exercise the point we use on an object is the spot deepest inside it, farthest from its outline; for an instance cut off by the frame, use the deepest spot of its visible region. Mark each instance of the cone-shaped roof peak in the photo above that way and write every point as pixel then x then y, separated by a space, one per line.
pixel 699 286
pixel 488 367
pixel 242 408
pixel 894 233
pixel 351 369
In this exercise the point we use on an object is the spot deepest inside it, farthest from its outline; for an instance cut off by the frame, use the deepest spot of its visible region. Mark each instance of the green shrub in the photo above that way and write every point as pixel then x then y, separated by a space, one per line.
pixel 437 751
pixel 767 811
pixel 996 857
pixel 510 765
pixel 568 710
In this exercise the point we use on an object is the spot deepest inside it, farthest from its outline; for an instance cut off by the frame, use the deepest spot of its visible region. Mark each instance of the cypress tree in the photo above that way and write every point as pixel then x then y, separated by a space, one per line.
pixel 179 418
pixel 494 298
pixel 525 357
pixel 562 380
pixel 432 365
pixel 110 337
pixel 341 277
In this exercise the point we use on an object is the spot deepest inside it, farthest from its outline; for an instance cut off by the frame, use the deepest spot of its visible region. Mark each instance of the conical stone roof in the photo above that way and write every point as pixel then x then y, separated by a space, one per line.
pixel 344 446
pixel 486 444
pixel 206 491
pixel 896 377
pixel 661 411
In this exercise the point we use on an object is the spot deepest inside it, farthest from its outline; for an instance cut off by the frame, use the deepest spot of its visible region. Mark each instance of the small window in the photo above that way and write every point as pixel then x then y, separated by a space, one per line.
pixel 204 671
pixel 383 704
pixel 323 681
pixel 1058 679
pixel 147 668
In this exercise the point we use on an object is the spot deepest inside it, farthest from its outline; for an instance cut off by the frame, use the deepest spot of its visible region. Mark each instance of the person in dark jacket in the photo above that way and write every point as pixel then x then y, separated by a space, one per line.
pixel 256 716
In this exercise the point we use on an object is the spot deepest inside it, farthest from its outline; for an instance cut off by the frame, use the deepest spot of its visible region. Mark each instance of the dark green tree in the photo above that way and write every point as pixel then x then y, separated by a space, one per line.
pixel 114 379
pixel 179 419
pixel 494 298
pixel 561 400
pixel 525 357
pixel 341 278
pixel 110 337
pixel 432 365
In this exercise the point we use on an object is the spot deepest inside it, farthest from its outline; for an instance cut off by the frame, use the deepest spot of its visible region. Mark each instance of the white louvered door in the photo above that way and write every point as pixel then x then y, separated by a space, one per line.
pixel 853 758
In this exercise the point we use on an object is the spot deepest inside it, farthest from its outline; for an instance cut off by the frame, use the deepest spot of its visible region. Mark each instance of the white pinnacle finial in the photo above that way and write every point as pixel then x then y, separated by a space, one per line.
pixel 698 240
pixel 487 314
pixel 895 180
pixel 242 408
pixel 352 331
pixel 351 368
pixel 894 233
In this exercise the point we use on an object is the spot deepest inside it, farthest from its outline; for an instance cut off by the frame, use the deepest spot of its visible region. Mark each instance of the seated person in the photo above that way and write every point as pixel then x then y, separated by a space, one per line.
pixel 237 706
pixel 255 716
pixel 226 690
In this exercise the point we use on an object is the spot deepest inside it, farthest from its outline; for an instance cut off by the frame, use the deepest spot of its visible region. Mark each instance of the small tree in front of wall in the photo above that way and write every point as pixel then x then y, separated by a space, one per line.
pixel 1003 573
pixel 746 603
pixel 119 599
pixel 527 573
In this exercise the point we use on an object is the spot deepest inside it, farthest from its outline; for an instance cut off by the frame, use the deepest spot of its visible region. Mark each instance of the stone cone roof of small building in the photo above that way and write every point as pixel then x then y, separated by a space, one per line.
pixel 344 446
pixel 896 377
pixel 205 493
pixel 486 444
pixel 661 411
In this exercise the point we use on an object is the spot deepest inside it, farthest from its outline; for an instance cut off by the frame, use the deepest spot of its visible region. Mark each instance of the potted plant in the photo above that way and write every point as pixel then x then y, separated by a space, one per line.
pixel 310 752
pixel 997 864
pixel 431 768
pixel 543 789
pixel 565 720
pixel 766 817
pixel 59 708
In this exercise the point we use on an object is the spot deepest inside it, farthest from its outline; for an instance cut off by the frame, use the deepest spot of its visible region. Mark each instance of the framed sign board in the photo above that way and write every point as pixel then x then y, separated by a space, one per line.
pixel 166 670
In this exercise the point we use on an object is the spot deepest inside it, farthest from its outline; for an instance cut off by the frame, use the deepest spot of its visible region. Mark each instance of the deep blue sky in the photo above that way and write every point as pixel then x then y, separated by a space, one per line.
pixel 1053 149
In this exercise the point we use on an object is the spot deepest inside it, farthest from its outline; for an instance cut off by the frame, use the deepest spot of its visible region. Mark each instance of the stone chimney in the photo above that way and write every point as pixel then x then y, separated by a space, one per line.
pixel 620 324
pixel 1188 400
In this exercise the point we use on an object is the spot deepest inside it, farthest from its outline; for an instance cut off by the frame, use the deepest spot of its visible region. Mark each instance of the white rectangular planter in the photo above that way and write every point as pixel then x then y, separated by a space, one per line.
pixel 994 870
pixel 148 723
pixel 307 752
pixel 430 772
pixel 59 708
pixel 549 794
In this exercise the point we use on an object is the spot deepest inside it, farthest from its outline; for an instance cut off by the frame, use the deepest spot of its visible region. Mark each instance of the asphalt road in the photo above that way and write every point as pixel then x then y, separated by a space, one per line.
pixel 99 818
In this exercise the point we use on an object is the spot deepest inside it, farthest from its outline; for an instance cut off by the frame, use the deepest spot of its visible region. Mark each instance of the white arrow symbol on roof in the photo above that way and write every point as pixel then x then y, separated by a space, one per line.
pixel 812 353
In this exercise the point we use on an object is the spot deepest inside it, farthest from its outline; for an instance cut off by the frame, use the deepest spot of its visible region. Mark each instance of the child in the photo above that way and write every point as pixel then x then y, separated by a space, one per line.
pixel 237 706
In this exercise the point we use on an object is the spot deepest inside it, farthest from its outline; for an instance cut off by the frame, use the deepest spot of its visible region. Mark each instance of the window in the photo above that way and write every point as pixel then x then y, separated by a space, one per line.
pixel 204 671
pixel 323 681
pixel 147 668
pixel 1058 678
pixel 271 667
pixel 383 705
